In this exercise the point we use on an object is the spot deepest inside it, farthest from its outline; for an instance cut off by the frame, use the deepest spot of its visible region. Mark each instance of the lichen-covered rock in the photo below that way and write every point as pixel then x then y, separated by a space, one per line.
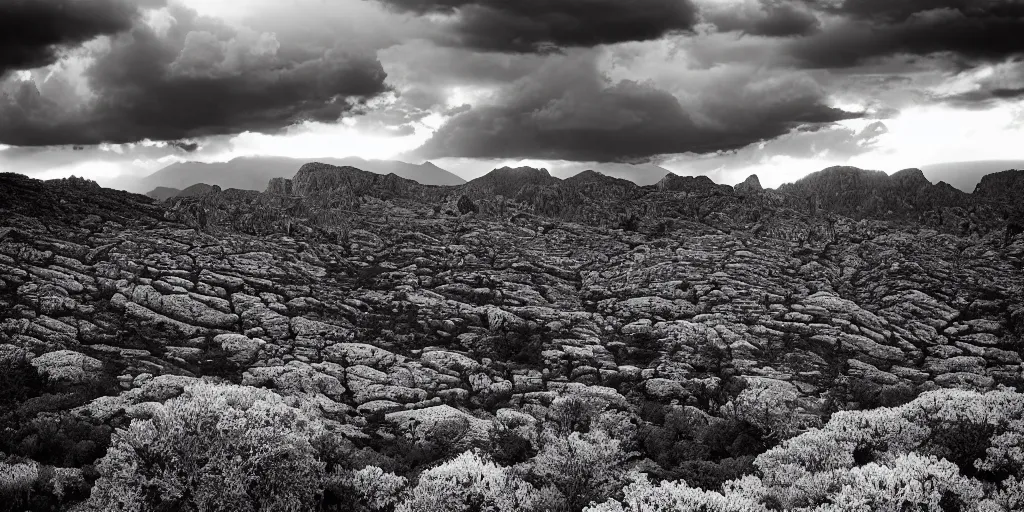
pixel 242 349
pixel 68 367
pixel 663 389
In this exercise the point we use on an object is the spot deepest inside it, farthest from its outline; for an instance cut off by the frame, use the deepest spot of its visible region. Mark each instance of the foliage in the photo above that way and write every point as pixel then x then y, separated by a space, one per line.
pixel 28 485
pixel 870 395
pixel 377 489
pixel 583 467
pixel 771 407
pixel 513 437
pixel 466 483
pixel 642 496
pixel 911 482
pixel 16 481
pixel 574 412
pixel 216 447
pixel 946 439
pixel 370 489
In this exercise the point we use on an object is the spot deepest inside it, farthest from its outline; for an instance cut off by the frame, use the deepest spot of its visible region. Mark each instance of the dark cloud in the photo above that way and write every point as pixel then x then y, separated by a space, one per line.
pixel 970 30
pixel 897 12
pixel 185 146
pixel 772 18
pixel 33 32
pixel 985 97
pixel 199 77
pixel 569 111
pixel 546 25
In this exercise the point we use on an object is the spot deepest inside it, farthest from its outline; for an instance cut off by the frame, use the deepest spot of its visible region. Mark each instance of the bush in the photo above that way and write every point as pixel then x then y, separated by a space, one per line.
pixel 870 395
pixel 215 447
pixel 771 407
pixel 642 496
pixel 947 439
pixel 512 437
pixel 16 482
pixel 574 412
pixel 370 489
pixel 469 483
pixel 582 467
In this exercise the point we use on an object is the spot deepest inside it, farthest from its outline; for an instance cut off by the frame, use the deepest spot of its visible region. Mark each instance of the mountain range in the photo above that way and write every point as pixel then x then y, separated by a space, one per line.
pixel 253 173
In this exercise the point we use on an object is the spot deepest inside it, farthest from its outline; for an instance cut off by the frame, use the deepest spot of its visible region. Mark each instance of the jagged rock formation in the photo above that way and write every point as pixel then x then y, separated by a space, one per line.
pixel 750 186
pixel 861 194
pixel 371 296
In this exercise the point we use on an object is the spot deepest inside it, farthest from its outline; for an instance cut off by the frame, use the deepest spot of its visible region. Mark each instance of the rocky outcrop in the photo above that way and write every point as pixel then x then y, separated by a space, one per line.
pixel 859 193
pixel 508 182
pixel 750 186
pixel 1006 186
pixel 693 185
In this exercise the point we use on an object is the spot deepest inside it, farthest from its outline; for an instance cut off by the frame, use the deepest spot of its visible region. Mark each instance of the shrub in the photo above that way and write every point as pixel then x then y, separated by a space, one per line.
pixel 642 496
pixel 370 489
pixel 911 482
pixel 16 481
pixel 770 406
pixel 378 490
pixel 512 437
pixel 944 439
pixel 574 412
pixel 583 467
pixel 469 483
pixel 215 447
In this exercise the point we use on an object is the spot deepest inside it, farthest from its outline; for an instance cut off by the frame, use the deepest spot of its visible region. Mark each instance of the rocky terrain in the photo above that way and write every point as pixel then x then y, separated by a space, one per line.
pixel 374 300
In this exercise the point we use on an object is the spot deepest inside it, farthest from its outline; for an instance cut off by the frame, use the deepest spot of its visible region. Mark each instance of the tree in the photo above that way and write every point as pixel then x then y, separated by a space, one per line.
pixel 469 483
pixel 214 448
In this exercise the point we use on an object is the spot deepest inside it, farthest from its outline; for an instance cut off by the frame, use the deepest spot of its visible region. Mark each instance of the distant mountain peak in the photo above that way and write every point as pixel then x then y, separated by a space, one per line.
pixel 751 185
pixel 199 189
pixel 587 175
pixel 163 193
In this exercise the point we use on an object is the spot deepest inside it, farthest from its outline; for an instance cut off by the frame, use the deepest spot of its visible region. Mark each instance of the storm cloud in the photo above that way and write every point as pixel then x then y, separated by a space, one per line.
pixel 773 18
pixel 546 25
pixel 191 77
pixel 34 32
pixel 569 110
pixel 968 30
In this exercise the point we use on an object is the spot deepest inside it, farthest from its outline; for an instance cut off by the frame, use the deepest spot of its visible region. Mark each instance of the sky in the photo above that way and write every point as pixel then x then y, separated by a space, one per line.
pixel 114 89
